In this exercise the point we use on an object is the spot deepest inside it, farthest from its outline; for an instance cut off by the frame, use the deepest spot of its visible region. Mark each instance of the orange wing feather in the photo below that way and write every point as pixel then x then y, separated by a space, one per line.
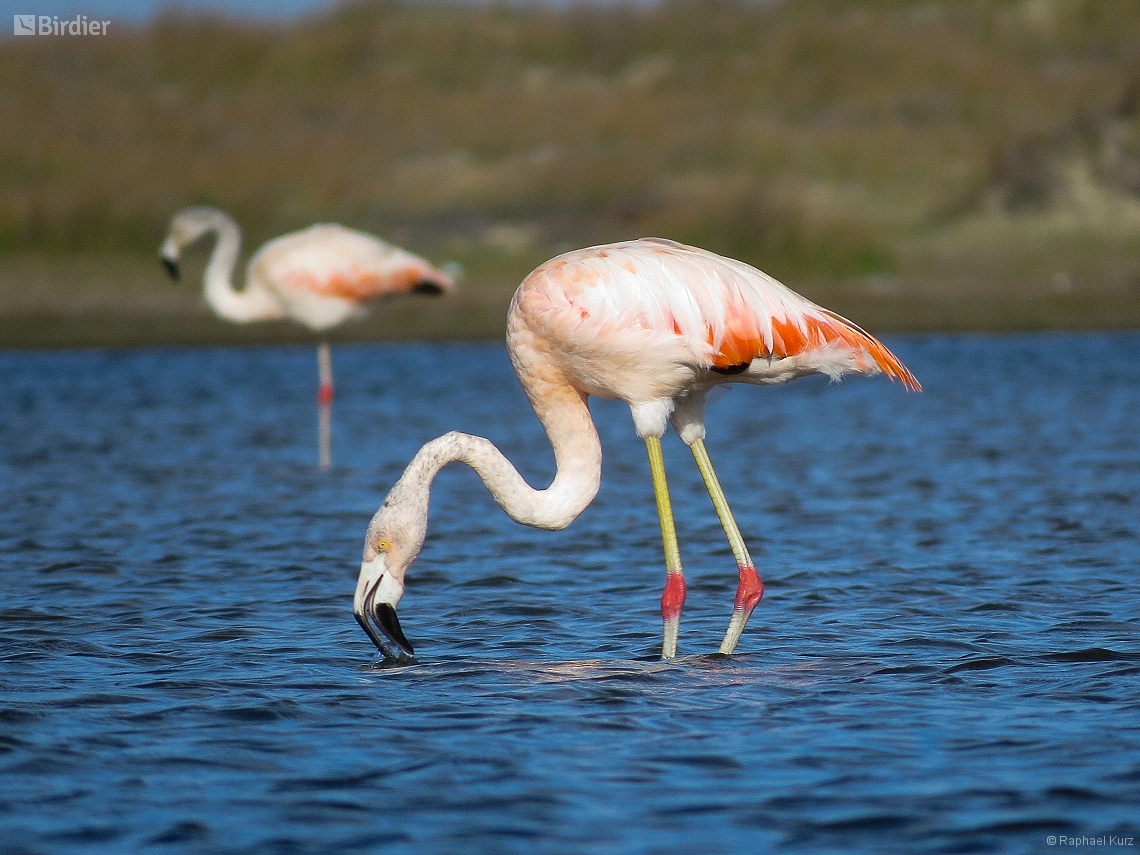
pixel 358 284
pixel 744 342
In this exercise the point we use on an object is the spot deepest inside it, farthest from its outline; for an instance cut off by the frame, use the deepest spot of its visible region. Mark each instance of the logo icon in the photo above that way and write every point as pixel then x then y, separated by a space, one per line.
pixel 23 25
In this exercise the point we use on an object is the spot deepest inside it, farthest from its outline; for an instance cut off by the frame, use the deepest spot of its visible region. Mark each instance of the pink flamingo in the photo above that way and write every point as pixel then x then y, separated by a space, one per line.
pixel 653 323
pixel 319 277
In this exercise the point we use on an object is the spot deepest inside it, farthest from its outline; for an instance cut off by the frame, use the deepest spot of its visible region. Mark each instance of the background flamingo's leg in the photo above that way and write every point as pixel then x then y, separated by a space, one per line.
pixel 324 404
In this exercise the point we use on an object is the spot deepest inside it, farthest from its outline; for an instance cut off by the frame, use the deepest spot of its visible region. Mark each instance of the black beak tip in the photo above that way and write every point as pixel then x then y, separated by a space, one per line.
pixel 372 634
pixel 389 624
pixel 171 267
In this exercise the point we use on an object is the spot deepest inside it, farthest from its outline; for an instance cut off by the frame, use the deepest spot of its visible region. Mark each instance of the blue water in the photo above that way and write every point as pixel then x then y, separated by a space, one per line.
pixel 947 658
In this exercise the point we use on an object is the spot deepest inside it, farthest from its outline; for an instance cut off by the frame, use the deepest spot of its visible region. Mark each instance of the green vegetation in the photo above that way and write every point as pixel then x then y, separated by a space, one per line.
pixel 919 165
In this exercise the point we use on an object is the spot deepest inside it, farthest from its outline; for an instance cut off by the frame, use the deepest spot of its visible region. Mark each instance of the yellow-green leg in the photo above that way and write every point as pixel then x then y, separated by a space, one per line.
pixel 750 589
pixel 673 598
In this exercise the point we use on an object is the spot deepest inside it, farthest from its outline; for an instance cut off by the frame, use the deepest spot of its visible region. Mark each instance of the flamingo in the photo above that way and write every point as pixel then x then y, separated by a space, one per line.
pixel 651 322
pixel 318 277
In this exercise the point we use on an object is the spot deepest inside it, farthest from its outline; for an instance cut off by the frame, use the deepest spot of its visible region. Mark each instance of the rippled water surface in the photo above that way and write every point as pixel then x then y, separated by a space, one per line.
pixel 946 659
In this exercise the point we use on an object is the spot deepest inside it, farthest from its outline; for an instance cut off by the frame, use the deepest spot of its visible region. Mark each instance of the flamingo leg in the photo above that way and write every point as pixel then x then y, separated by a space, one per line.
pixel 750 589
pixel 673 598
pixel 324 404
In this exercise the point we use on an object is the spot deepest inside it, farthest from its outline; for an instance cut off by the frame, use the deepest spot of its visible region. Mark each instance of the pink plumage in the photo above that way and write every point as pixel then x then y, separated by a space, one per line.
pixel 647 319
pixel 344 267
pixel 319 277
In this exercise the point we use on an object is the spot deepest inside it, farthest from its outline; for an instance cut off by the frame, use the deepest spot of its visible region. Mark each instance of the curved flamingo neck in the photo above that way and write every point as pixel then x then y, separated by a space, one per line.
pixel 241 306
pixel 577 455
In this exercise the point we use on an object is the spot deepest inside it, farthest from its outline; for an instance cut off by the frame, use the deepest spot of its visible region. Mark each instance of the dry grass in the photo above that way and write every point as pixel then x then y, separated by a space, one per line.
pixel 842 146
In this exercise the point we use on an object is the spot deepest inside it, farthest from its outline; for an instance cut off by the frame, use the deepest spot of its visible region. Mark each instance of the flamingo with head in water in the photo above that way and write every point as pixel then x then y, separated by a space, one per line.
pixel 318 277
pixel 653 323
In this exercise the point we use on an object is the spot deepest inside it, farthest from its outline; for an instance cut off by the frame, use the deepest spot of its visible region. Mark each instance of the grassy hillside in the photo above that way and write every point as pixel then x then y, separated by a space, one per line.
pixel 930 164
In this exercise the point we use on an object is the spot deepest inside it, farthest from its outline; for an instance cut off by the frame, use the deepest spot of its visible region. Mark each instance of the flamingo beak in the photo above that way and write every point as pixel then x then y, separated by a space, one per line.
pixel 171 265
pixel 377 593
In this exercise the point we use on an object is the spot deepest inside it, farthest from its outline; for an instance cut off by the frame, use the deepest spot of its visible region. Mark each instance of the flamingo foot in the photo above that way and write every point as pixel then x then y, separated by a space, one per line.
pixel 672 601
pixel 748 594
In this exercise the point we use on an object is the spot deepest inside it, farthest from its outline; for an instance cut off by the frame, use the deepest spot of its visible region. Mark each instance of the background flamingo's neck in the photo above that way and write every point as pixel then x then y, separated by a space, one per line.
pixel 241 306
pixel 220 270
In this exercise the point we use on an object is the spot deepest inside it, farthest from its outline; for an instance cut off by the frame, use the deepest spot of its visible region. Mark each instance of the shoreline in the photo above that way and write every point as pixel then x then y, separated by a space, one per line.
pixel 113 300
pixel 481 316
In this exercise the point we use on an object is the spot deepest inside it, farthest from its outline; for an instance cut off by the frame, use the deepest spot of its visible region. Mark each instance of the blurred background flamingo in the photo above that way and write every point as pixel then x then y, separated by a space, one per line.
pixel 656 324
pixel 318 277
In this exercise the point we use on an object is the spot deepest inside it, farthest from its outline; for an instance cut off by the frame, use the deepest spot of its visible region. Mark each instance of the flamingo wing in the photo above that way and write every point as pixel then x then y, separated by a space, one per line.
pixel 649 294
pixel 332 261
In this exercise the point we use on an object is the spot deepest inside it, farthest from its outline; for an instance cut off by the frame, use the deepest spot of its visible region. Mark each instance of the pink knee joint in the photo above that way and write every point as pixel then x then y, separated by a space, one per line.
pixel 749 591
pixel 674 596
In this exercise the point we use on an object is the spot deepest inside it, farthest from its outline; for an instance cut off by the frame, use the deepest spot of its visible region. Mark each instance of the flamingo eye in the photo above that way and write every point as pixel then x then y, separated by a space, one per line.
pixel 382 545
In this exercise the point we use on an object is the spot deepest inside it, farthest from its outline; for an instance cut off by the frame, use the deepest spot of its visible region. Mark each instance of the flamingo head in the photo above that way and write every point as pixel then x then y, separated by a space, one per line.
pixel 391 545
pixel 187 227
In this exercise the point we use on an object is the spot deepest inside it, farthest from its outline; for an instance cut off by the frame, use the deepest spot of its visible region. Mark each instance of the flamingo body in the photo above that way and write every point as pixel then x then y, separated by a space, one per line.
pixel 653 323
pixel 319 277
pixel 326 274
